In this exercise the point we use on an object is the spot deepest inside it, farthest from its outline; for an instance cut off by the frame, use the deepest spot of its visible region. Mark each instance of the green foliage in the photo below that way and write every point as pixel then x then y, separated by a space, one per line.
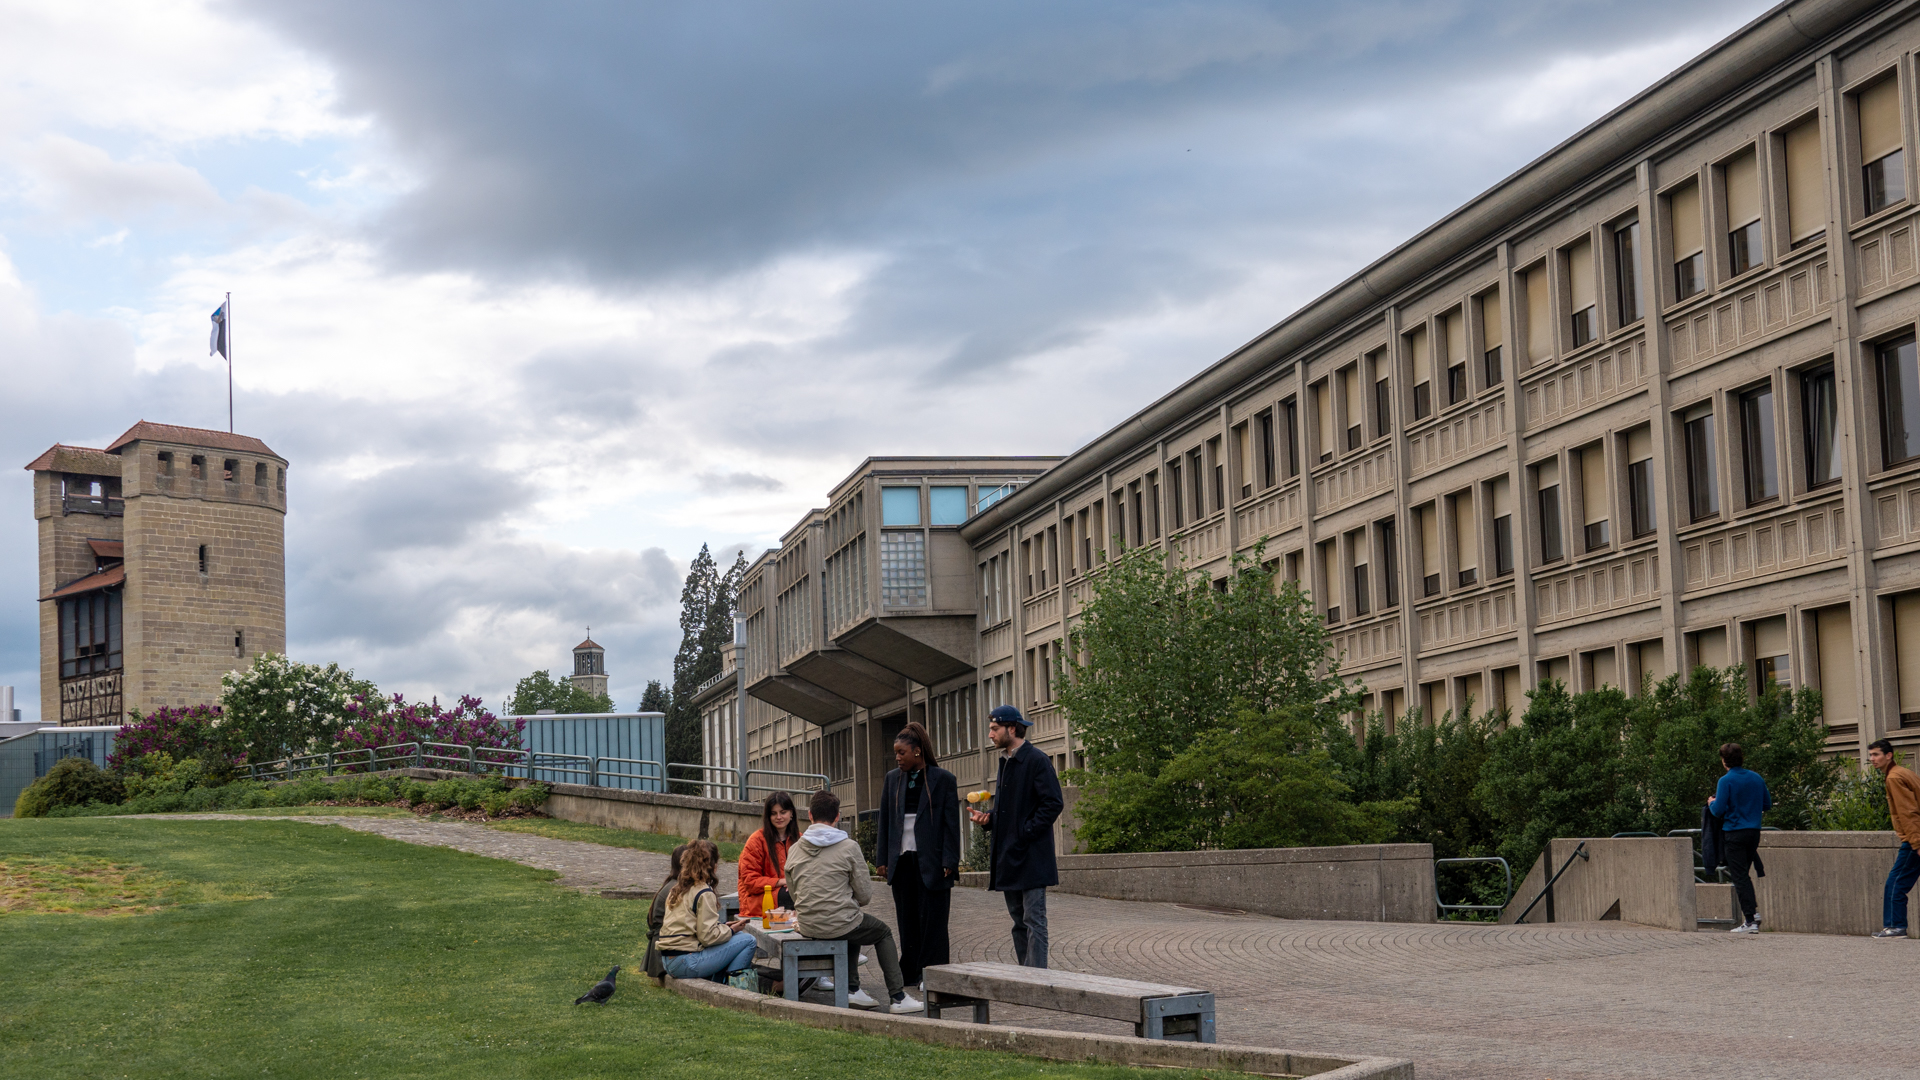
pixel 866 833
pixel 1434 769
pixel 979 853
pixel 469 793
pixel 158 774
pixel 280 707
pixel 655 698
pixel 541 690
pixel 1165 668
pixel 72 782
pixel 706 626
pixel 1858 801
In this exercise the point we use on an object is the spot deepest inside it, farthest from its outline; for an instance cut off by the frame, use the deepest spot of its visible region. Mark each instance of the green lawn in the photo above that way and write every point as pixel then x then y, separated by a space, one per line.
pixel 600 834
pixel 329 953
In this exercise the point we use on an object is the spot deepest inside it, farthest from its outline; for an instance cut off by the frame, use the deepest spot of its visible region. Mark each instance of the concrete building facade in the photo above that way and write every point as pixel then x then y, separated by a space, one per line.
pixel 162 567
pixel 1651 402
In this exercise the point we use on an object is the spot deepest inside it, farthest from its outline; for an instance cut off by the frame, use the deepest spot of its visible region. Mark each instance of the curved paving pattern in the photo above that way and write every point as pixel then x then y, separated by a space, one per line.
pixel 1466 1002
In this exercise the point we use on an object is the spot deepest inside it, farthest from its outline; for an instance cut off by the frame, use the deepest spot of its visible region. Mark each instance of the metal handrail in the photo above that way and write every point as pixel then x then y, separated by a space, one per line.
pixel 1579 852
pixel 1501 906
pixel 825 784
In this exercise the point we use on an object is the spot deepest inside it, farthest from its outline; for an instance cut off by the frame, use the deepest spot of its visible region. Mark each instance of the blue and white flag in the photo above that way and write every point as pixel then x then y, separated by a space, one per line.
pixel 218 342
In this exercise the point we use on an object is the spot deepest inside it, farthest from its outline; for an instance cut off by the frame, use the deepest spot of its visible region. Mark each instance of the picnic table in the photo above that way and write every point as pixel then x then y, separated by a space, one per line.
pixel 799 957
pixel 1156 1011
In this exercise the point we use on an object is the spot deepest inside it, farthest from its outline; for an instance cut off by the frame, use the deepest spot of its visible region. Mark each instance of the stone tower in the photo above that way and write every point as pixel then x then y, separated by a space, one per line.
pixel 162 567
pixel 590 667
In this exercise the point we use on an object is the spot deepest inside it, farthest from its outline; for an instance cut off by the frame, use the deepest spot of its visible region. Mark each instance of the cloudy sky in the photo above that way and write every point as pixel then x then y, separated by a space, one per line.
pixel 508 279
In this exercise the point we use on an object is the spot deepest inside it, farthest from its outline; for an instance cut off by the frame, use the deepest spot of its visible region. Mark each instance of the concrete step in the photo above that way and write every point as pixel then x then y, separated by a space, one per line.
pixel 1715 906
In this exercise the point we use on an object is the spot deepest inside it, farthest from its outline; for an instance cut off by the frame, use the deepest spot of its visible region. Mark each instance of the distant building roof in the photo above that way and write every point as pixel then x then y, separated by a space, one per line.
pixel 76 459
pixel 587 644
pixel 105 579
pixel 189 436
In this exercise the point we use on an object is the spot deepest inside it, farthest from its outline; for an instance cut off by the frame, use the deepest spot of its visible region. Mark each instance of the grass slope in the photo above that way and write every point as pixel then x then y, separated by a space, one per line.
pixel 362 956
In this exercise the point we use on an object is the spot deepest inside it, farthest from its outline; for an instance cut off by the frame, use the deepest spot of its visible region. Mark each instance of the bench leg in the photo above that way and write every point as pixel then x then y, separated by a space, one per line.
pixel 980 1012
pixel 790 977
pixel 840 979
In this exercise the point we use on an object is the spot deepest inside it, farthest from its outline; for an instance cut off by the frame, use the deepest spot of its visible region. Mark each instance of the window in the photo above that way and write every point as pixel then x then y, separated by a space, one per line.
pixel 203 558
pixel 1384 532
pixel 1757 445
pixel 1883 179
pixel 1422 373
pixel 166 462
pixel 1360 594
pixel 1899 402
pixel 90 633
pixel 1833 639
pixel 1139 513
pixel 1355 406
pixel 1330 575
pixel 1640 482
pixel 1547 489
pixel 1264 426
pixel 1601 668
pixel 280 479
pixel 1906 648
pixel 1648 663
pixel 1219 473
pixel 948 505
pixel 196 467
pixel 1806 184
pixel 1559 669
pixel 1593 496
pixel 1502 500
pixel 1745 249
pixel 1243 456
pixel 1539 315
pixel 1427 517
pixel 1323 413
pixel 1689 241
pixel 1492 334
pixel 1626 272
pixel 899 506
pixel 1456 338
pixel 1291 410
pixel 1771 662
pixel 1820 431
pixel 1173 493
pixel 1118 532
pixel 1466 538
pixel 1197 481
pixel 1153 502
pixel 1383 406
pixel 1703 492
pixel 260 476
pixel 230 470
pixel 239 643
pixel 1709 647
pixel 1583 323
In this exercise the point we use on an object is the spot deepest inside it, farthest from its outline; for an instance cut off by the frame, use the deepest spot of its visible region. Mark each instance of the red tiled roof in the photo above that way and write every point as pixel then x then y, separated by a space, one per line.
pixel 587 644
pixel 105 579
pixel 108 549
pixel 190 436
pixel 82 459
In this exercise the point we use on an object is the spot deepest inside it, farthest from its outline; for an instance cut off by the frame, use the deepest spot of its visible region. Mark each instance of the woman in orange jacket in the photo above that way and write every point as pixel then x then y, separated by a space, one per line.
pixel 763 861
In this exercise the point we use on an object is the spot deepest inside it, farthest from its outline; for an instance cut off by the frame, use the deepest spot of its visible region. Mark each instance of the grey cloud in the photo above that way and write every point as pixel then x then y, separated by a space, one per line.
pixel 737 481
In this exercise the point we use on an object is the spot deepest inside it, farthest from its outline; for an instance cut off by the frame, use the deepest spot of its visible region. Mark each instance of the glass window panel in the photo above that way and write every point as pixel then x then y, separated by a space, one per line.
pixel 1899 402
pixel 949 505
pixel 1762 467
pixel 1626 251
pixel 900 506
pixel 1822 432
pixel 1703 494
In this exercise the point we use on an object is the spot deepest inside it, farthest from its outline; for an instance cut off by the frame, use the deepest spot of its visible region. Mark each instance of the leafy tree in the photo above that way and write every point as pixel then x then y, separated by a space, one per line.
pixel 655 698
pixel 1561 772
pixel 1169 667
pixel 280 707
pixel 541 690
pixel 1436 768
pixel 706 627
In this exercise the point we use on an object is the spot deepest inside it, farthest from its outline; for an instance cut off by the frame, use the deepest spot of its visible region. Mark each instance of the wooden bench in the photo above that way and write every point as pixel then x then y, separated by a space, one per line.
pixel 797 957
pixel 1156 1012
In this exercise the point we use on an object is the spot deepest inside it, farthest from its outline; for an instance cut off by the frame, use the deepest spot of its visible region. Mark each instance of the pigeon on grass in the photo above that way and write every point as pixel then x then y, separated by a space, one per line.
pixel 601 991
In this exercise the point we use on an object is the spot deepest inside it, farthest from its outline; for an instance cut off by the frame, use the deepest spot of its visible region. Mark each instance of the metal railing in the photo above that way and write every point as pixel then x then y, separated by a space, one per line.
pixel 1505 899
pixel 719 781
pixel 1579 852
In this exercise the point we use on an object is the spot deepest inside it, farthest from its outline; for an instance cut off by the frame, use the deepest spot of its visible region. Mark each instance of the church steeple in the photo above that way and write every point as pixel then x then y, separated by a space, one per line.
pixel 590 666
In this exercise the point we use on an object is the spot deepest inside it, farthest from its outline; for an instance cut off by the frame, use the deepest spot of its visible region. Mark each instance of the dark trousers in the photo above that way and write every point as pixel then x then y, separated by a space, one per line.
pixel 922 915
pixel 1900 880
pixel 1029 910
pixel 872 931
pixel 1739 847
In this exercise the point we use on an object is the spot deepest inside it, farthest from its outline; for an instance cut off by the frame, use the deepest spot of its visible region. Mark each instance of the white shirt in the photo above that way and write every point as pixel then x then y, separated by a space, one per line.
pixel 907 841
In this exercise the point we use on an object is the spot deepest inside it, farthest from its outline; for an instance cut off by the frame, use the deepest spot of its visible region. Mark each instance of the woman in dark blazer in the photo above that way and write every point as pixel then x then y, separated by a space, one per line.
pixel 918 840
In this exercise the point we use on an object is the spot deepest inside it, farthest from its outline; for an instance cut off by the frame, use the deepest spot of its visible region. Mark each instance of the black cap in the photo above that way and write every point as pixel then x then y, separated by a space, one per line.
pixel 1007 714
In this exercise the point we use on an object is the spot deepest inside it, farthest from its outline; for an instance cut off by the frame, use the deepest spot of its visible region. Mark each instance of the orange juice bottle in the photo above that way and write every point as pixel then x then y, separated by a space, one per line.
pixel 766 908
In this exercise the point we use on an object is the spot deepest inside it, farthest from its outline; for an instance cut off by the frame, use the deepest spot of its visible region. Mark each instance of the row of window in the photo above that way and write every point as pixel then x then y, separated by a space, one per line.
pixel 230 470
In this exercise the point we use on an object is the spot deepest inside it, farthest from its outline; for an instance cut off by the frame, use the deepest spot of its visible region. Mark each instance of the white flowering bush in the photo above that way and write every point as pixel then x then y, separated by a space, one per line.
pixel 280 706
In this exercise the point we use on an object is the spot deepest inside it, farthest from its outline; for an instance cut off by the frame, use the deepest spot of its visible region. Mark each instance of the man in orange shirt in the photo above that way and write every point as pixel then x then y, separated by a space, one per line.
pixel 1903 801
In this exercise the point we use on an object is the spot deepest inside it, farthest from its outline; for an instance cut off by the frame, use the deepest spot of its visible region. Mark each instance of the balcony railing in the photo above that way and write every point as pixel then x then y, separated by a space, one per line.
pixel 93 504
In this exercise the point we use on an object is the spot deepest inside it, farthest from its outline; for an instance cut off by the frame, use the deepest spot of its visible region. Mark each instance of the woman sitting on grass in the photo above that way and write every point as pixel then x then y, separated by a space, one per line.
pixel 763 862
pixel 694 943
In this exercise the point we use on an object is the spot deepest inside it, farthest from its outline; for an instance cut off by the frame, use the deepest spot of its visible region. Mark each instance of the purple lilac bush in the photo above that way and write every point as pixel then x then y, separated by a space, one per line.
pixel 384 722
pixel 189 732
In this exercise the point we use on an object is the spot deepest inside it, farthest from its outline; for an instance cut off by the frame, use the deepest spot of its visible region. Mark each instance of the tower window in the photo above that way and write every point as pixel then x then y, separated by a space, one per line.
pixel 230 469
pixel 197 468
pixel 240 643
pixel 166 462
pixel 203 558
pixel 260 476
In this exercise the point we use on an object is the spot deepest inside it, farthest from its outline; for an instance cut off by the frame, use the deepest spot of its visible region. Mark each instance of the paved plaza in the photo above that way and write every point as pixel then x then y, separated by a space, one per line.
pixel 1466 1002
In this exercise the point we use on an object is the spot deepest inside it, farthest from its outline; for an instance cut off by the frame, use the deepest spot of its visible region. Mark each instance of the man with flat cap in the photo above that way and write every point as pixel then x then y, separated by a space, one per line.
pixel 1026 802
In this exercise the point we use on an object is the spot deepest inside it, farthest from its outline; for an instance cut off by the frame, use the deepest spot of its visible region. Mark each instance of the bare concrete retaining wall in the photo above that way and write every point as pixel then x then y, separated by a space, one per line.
pixel 645 811
pixel 1358 882
pixel 1646 880
pixel 1823 882
pixel 1053 1045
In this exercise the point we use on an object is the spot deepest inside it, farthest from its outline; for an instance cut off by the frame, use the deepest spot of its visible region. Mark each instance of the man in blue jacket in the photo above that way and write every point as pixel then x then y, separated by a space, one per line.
pixel 1738 802
pixel 1026 802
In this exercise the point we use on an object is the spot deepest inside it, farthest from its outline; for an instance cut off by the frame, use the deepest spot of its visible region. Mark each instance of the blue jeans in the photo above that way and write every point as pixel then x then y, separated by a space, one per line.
pixel 716 963
pixel 1029 910
pixel 1906 870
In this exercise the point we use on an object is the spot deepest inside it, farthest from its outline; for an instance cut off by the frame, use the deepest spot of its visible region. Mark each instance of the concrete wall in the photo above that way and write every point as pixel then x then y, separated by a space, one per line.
pixel 1360 882
pixel 1823 882
pixel 1649 879
pixel 646 811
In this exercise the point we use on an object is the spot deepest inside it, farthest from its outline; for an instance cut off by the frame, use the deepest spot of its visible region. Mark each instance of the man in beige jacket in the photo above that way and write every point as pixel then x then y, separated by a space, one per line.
pixel 827 875
pixel 1903 800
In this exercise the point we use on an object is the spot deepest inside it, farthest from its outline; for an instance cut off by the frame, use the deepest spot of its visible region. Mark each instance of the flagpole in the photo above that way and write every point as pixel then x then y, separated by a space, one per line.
pixel 229 337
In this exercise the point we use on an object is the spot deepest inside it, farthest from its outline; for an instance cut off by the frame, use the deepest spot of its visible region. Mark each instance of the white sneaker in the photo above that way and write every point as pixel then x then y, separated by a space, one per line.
pixel 1746 928
pixel 862 1000
pixel 907 1004
pixel 825 982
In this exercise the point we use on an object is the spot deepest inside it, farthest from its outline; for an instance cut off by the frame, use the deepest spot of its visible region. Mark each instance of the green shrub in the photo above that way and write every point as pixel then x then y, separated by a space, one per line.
pixel 71 782
pixel 495 803
pixel 530 797
pixel 159 774
pixel 1858 801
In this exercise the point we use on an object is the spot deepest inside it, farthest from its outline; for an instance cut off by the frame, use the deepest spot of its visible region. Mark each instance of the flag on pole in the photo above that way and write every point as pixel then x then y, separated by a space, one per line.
pixel 217 343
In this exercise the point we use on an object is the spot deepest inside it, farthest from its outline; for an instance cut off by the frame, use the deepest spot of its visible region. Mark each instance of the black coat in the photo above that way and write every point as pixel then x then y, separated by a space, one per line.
pixel 1026 803
pixel 936 829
